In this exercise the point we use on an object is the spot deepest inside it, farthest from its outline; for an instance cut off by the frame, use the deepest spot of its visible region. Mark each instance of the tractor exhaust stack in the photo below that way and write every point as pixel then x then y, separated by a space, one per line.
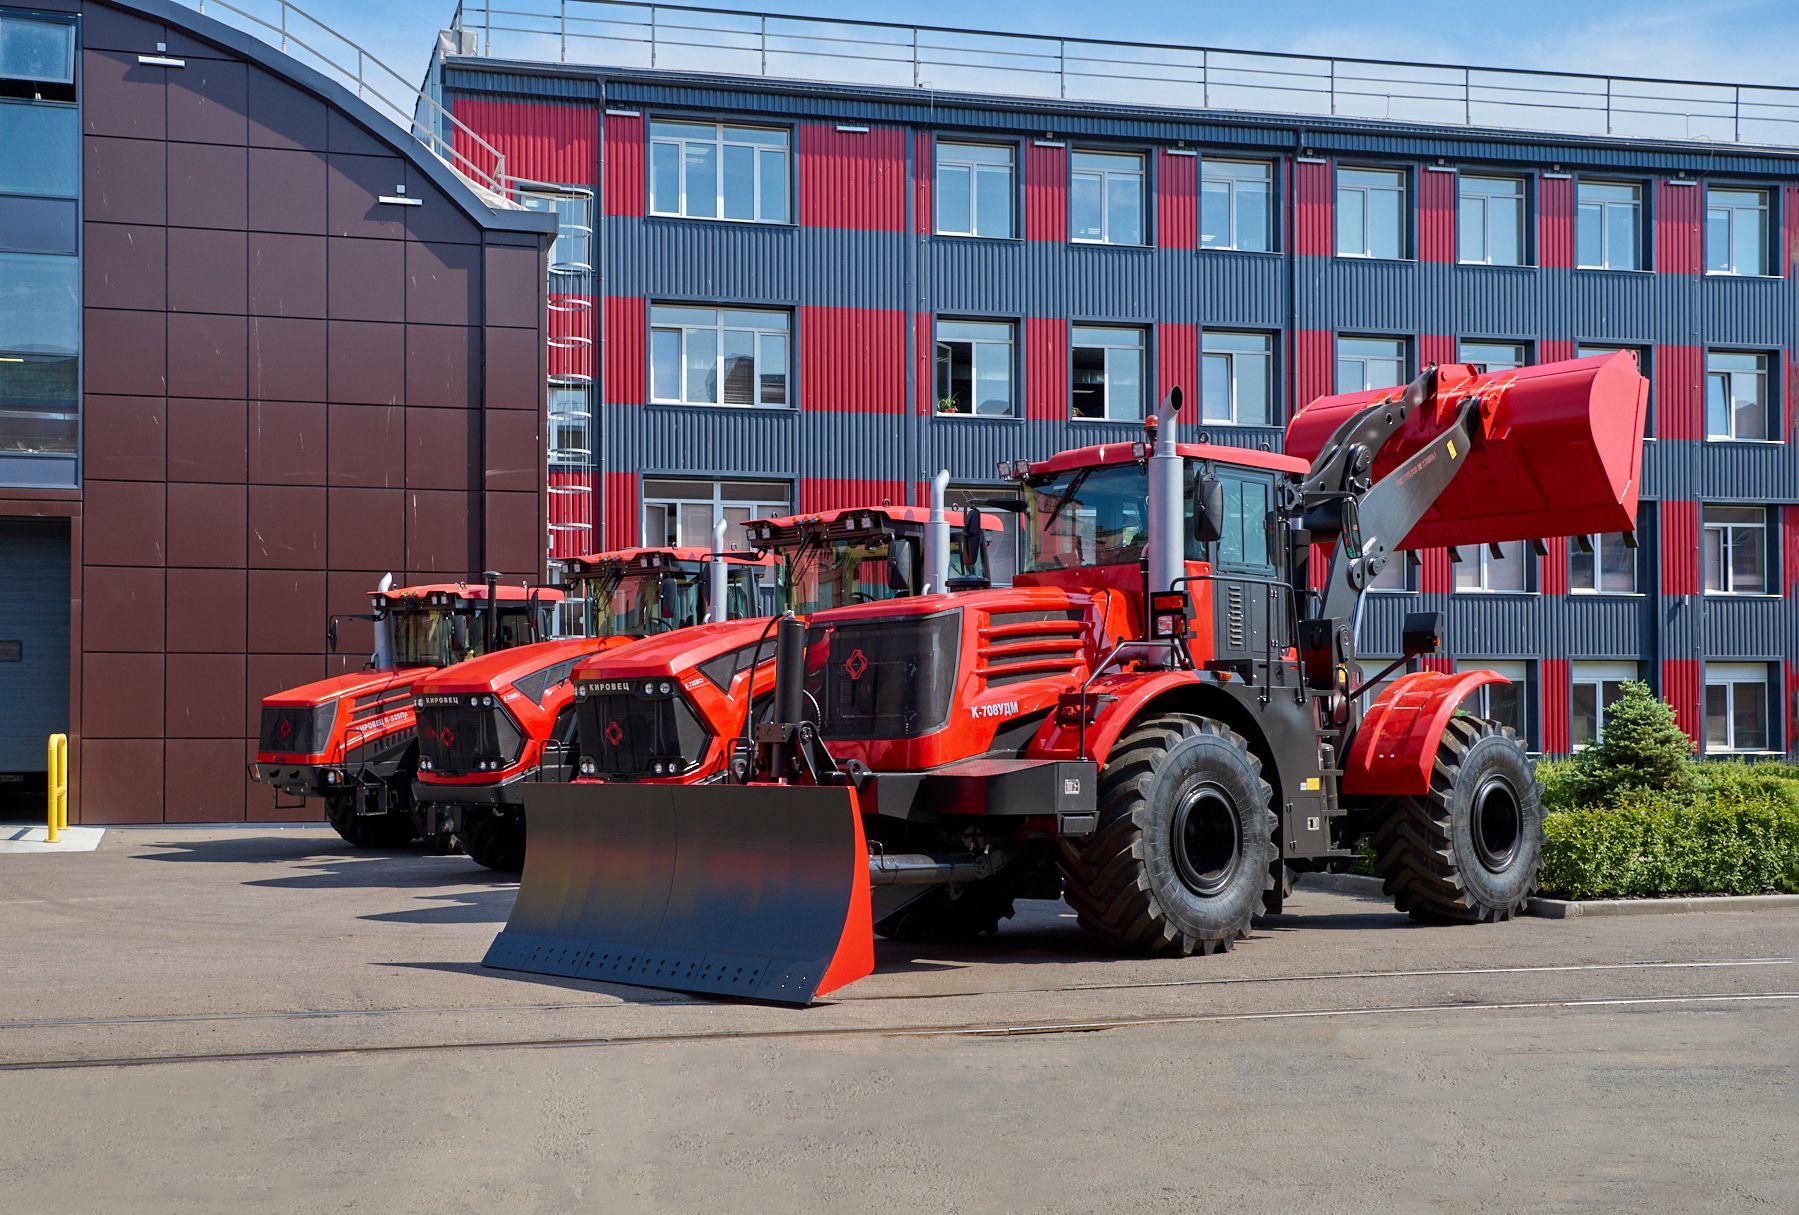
pixel 717 578
pixel 936 539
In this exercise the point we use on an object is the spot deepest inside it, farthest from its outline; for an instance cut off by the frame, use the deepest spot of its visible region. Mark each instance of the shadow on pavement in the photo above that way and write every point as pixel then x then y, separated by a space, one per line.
pixel 329 864
pixel 627 995
pixel 465 907
pixel 241 849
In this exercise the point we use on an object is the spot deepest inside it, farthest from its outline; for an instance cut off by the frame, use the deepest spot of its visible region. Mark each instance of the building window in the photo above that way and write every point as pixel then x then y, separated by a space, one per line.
pixel 1736 706
pixel 974 190
pixel 1736 395
pixel 1508 703
pixel 1107 198
pixel 1736 231
pixel 1107 382
pixel 1483 569
pixel 1368 363
pixel 1736 550
pixel 1371 213
pixel 37 50
pixel 1602 564
pixel 974 368
pixel 1237 378
pixel 1609 226
pixel 707 170
pixel 1594 687
pixel 570 441
pixel 1396 575
pixel 1236 205
pixel 1490 221
pixel 718 356
pixel 40 343
pixel 1494 356
pixel 682 513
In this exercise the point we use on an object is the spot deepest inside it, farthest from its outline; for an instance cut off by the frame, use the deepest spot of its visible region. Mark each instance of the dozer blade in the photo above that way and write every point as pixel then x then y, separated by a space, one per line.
pixel 731 890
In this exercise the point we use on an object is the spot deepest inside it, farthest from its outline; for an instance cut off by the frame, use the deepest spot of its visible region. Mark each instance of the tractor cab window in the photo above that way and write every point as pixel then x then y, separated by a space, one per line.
pixel 841 572
pixel 1248 499
pixel 444 637
pixel 650 601
pixel 1086 516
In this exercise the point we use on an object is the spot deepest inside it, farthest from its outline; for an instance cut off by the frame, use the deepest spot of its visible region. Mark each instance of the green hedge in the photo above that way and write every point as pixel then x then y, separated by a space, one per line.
pixel 1731 844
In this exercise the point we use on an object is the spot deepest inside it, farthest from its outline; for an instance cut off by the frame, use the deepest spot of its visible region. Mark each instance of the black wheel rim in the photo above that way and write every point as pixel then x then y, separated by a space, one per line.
pixel 1206 840
pixel 1498 825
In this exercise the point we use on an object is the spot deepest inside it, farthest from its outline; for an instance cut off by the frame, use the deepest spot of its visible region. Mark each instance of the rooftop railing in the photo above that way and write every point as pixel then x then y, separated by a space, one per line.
pixel 627 33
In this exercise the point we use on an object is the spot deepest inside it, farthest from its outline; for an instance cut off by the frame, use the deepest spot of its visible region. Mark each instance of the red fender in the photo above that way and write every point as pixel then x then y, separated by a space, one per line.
pixel 1133 690
pixel 1396 747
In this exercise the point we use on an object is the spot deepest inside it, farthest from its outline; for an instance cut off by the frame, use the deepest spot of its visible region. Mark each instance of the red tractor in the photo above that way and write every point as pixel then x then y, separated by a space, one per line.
pixel 1158 715
pixel 350 739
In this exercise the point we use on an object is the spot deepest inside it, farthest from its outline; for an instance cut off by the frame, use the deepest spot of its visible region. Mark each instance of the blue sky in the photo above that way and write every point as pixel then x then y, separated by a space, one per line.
pixel 1749 41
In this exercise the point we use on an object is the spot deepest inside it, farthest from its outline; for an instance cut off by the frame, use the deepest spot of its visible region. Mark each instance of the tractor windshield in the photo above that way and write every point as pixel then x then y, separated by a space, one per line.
pixel 838 572
pixel 1087 516
pixel 649 601
pixel 441 637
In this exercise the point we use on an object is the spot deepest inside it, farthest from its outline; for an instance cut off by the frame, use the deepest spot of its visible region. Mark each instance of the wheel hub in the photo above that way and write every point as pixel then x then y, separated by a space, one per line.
pixel 1498 825
pixel 1206 841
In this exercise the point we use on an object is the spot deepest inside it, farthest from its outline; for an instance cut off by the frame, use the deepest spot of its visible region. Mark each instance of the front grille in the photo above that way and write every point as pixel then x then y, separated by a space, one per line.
pixel 623 732
pixel 297 729
pixel 458 738
pixel 884 679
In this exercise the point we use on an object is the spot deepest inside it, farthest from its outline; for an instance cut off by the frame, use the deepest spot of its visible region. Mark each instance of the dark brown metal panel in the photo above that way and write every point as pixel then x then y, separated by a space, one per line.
pixel 206 611
pixel 514 532
pixel 287 359
pixel 282 116
pixel 365 362
pixel 124 266
pixel 126 352
pixel 124 522
pixel 287 442
pixel 441 282
pixel 367 528
pixel 208 102
pixel 514 451
pixel 207 355
pixel 116 30
pixel 204 781
pixel 287 527
pixel 205 185
pixel 286 275
pixel 203 692
pixel 367 279
pixel 441 366
pixel 206 525
pixel 346 592
pixel 366 445
pixel 122 438
pixel 287 191
pixel 287 613
pixel 207 440
pixel 118 780
pixel 513 376
pixel 122 609
pixel 437 533
pixel 353 188
pixel 345 134
pixel 125 181
pixel 121 696
pixel 442 449
pixel 439 220
pixel 266 673
pixel 121 96
pixel 513 286
pixel 206 270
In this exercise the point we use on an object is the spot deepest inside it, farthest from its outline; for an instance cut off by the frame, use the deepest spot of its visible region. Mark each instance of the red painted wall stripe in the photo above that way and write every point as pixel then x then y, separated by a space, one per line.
pixel 1436 573
pixel 627 191
pixel 835 493
pixel 1552 570
pixel 1679 384
pixel 924 361
pixel 1314 358
pixel 1792 394
pixel 1438 662
pixel 1177 362
pixel 1435 347
pixel 627 378
pixel 1046 369
pixel 852 360
pixel 1678 230
pixel 1312 209
pixel 1436 216
pixel 571 316
pixel 852 179
pixel 1045 193
pixel 619 510
pixel 924 178
pixel 1552 674
pixel 1683 688
pixel 573 508
pixel 541 140
pixel 1177 201
pixel 1786 727
pixel 1789 546
pixel 1678 525
pixel 1554 350
pixel 1555 222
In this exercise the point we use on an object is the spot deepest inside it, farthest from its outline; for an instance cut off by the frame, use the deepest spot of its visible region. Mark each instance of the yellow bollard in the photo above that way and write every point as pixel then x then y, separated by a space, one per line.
pixel 57 780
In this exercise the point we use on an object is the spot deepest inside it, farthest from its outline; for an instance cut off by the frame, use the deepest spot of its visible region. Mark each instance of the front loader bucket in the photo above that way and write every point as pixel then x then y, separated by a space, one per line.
pixel 728 890
pixel 1558 449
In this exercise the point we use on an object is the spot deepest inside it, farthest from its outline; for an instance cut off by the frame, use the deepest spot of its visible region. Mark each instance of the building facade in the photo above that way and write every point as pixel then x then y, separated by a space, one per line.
pixel 809 294
pixel 258 348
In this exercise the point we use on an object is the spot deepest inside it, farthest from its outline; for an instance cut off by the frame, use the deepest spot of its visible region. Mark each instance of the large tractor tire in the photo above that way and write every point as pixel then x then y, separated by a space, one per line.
pixel 1185 845
pixel 960 911
pixel 496 841
pixel 391 830
pixel 1470 850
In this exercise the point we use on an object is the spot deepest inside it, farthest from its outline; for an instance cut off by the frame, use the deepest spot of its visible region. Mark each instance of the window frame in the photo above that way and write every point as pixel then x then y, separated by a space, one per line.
pixel 1142 349
pixel 789 167
pixel 1529 690
pixel 1765 209
pixel 1596 673
pixel 1274 211
pixel 1599 541
pixel 1770 395
pixel 1271 354
pixel 761 508
pixel 1644 246
pixel 1407 221
pixel 1525 252
pixel 1145 192
pixel 1727 549
pixel 719 330
pixel 1483 559
pixel 1719 675
pixel 1521 349
pixel 1403 341
pixel 1013 380
pixel 1012 192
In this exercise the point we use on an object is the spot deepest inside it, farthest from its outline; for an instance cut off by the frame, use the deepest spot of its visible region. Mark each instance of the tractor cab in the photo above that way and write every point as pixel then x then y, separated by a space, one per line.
pixel 863 555
pixel 444 624
pixel 637 592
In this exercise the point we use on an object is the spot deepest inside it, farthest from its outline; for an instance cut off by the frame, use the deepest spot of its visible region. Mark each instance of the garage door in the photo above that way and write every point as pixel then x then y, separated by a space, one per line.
pixel 34 641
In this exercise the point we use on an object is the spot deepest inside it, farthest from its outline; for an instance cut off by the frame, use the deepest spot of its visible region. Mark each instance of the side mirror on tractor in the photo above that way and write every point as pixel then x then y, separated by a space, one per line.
pixel 331 635
pixel 1208 510
pixel 971 541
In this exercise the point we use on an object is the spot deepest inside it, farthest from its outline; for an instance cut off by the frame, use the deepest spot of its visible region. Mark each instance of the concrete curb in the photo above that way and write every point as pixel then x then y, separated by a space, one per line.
pixel 1564 909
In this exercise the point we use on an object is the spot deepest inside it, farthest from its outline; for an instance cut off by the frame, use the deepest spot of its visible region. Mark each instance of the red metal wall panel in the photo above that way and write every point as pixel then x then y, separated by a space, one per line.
pixel 1314 355
pixel 1552 570
pixel 1435 347
pixel 1177 362
pixel 835 493
pixel 1555 222
pixel 1679 385
pixel 570 349
pixel 924 361
pixel 1678 525
pixel 1552 673
pixel 1791 380
pixel 1045 192
pixel 1437 662
pixel 1678 228
pixel 627 191
pixel 924 175
pixel 627 379
pixel 852 179
pixel 1436 216
pixel 572 502
pixel 541 140
pixel 1683 688
pixel 1786 721
pixel 1554 350
pixel 1312 208
pixel 619 510
pixel 852 360
pixel 1436 575
pixel 1046 369
pixel 1177 201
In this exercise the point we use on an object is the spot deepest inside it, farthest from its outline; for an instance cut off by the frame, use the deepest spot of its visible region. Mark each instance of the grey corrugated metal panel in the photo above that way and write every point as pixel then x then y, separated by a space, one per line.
pixel 1486 301
pixel 753 263
pixel 1600 626
pixel 1670 470
pixel 534 85
pixel 1682 620
pixel 705 441
pixel 1750 311
pixel 1495 626
pixel 1745 472
pixel 1352 295
pixel 971 447
pixel 1246 290
pixel 1626 306
pixel 1527 150
pixel 1008 277
pixel 1745 627
pixel 1383 620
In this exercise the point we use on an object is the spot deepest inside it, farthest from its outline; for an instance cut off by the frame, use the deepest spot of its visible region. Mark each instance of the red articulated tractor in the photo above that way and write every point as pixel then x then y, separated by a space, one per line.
pixel 490 726
pixel 351 740
pixel 1158 714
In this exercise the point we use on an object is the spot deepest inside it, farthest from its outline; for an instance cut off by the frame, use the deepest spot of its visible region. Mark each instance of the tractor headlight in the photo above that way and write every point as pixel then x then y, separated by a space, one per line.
pixel 587 768
pixel 665 687
pixel 425 765
pixel 649 687
pixel 487 701
pixel 474 702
